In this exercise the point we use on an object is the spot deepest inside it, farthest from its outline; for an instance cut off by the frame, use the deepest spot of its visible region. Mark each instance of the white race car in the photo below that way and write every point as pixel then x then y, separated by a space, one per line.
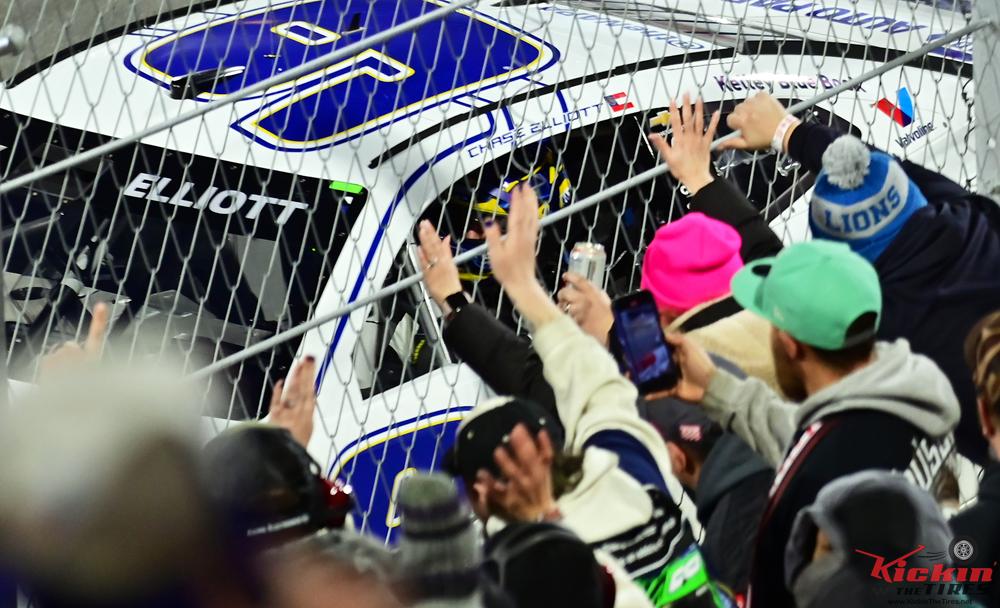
pixel 223 231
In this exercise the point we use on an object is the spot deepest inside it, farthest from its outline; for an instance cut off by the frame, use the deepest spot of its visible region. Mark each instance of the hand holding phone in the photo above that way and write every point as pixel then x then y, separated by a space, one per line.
pixel 645 352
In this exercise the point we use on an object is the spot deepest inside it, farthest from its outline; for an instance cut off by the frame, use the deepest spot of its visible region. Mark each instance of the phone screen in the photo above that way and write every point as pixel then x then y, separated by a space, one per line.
pixel 646 354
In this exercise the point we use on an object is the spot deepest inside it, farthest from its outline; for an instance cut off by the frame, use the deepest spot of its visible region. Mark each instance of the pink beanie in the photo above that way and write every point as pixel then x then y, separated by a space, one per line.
pixel 691 261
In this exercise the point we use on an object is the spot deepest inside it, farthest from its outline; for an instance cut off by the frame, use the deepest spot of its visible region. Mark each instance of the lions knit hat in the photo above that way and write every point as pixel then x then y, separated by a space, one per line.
pixel 862 198
pixel 691 261
pixel 815 291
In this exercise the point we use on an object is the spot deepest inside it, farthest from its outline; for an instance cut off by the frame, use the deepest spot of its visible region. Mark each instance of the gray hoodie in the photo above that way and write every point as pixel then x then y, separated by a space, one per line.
pixel 897 382
pixel 877 512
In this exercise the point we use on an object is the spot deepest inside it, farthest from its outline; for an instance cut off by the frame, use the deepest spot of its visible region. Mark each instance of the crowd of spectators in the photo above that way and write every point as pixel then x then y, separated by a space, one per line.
pixel 823 390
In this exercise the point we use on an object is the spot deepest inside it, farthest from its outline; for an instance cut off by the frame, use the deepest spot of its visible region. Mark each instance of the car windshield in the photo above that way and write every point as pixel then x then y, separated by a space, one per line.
pixel 200 263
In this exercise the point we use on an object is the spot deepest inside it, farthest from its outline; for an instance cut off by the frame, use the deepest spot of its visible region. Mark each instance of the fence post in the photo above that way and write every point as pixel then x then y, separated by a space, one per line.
pixel 987 83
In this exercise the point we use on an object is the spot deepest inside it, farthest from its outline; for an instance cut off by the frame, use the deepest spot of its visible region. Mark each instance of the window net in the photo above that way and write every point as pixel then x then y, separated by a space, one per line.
pixel 223 231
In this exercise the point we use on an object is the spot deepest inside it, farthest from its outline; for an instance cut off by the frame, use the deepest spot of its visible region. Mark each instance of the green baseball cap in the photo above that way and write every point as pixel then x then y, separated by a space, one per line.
pixel 814 291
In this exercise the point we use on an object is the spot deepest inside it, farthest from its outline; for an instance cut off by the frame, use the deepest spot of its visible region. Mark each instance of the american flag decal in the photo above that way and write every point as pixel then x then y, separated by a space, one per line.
pixel 619 102
pixel 690 432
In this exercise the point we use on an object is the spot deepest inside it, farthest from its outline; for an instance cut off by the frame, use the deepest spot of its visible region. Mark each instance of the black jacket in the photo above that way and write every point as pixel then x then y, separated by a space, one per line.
pixel 731 496
pixel 895 413
pixel 723 201
pixel 980 524
pixel 939 276
pixel 839 445
pixel 504 360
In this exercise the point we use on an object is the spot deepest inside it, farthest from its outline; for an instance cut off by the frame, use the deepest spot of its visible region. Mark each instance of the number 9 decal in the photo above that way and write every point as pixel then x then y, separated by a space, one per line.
pixel 376 464
pixel 464 52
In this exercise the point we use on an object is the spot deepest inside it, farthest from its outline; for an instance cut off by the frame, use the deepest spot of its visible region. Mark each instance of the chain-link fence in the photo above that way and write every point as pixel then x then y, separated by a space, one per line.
pixel 241 181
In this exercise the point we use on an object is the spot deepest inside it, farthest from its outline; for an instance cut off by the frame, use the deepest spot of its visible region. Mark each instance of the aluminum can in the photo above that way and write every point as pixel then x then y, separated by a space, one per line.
pixel 589 260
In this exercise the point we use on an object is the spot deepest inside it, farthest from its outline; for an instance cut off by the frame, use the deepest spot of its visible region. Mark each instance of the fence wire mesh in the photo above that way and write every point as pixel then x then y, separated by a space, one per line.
pixel 226 230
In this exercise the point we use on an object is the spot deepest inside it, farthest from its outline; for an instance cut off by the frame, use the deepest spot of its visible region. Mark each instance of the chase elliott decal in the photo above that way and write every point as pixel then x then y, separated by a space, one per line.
pixel 515 136
pixel 224 202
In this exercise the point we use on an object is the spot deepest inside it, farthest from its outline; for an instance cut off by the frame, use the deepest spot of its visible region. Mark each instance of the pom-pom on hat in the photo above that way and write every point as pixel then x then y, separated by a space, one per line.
pixel 691 261
pixel 862 198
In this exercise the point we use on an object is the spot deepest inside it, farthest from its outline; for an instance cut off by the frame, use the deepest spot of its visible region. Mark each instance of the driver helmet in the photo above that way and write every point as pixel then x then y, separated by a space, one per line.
pixel 489 200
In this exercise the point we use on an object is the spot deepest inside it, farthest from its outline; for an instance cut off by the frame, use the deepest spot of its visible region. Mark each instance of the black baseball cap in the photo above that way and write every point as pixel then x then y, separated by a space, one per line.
pixel 269 488
pixel 681 422
pixel 489 426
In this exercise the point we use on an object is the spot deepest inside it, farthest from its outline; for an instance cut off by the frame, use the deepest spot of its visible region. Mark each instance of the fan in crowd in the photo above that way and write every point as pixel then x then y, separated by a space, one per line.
pixel 980 523
pixel 728 481
pixel 510 365
pixel 587 460
pixel 854 521
pixel 934 245
pixel 859 404
pixel 691 261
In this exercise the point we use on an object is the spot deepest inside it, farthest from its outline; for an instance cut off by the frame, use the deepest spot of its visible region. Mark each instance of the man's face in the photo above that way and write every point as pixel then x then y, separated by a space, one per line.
pixel 788 373
pixel 478 221
pixel 683 467
pixel 478 501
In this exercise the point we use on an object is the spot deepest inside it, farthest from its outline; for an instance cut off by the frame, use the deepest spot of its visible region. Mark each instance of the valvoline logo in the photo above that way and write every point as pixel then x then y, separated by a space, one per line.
pixel 376 463
pixel 901 111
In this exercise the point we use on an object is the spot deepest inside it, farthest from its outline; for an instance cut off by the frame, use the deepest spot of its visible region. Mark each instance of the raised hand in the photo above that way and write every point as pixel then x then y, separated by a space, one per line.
pixel 757 118
pixel 438 264
pixel 588 305
pixel 689 153
pixel 513 258
pixel 294 403
pixel 525 491
pixel 73 354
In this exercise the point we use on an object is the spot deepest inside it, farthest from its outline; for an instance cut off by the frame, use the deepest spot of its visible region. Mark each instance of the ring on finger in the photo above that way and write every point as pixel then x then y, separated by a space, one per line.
pixel 431 263
pixel 567 307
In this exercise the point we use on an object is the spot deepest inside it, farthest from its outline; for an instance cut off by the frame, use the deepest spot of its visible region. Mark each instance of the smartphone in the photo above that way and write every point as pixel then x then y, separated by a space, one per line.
pixel 641 345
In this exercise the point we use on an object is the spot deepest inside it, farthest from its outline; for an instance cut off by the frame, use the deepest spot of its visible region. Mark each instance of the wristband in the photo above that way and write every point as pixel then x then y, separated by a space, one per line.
pixel 778 141
pixel 456 302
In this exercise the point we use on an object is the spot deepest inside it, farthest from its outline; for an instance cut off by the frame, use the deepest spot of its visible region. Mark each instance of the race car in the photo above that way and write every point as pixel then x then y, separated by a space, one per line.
pixel 223 231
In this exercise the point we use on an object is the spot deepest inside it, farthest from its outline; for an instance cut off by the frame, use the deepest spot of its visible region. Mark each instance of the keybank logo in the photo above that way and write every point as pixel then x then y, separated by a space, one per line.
pixel 901 111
